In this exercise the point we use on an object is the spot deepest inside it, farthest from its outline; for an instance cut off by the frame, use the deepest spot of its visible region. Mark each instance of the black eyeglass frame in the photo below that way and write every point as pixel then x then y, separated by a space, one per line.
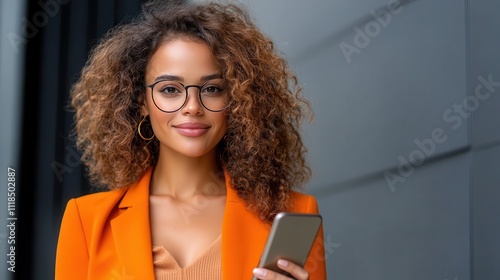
pixel 186 99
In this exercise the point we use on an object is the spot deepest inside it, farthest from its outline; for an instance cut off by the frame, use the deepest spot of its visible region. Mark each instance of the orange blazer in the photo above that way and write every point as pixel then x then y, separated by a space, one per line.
pixel 107 236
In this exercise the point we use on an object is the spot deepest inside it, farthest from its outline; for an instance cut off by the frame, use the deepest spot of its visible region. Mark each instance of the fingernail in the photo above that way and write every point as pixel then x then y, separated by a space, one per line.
pixel 259 272
pixel 282 263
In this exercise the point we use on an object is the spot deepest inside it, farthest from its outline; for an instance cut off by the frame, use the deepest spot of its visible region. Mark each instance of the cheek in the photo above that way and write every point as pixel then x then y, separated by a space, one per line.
pixel 157 117
pixel 223 123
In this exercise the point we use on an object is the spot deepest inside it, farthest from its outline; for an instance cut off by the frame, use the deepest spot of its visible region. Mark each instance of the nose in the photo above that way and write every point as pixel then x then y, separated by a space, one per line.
pixel 193 104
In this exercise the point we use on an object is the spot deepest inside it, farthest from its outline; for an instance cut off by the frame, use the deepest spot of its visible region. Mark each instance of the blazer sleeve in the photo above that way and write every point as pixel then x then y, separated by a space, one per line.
pixel 316 262
pixel 72 256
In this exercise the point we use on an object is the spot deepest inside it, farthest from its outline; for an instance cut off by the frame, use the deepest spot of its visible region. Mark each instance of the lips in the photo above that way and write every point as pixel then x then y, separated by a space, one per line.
pixel 191 129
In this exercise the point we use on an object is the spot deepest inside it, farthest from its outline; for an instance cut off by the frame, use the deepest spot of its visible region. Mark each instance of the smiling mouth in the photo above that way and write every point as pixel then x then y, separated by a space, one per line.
pixel 191 129
pixel 192 126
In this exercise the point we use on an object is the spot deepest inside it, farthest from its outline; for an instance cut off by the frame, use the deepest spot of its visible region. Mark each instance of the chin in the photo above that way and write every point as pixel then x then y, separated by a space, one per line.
pixel 192 152
pixel 193 148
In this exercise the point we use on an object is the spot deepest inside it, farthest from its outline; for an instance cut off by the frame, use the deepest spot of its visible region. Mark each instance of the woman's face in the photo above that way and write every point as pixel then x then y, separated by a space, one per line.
pixel 192 130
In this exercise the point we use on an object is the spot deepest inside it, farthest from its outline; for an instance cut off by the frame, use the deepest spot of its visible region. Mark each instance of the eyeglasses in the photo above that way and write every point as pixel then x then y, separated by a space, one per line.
pixel 171 96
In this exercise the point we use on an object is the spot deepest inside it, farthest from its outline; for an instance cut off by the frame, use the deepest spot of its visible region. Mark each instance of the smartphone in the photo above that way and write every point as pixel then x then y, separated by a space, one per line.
pixel 291 238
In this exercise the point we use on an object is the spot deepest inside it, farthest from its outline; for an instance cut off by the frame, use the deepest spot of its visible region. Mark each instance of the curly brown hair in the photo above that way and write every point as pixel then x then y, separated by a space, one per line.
pixel 262 149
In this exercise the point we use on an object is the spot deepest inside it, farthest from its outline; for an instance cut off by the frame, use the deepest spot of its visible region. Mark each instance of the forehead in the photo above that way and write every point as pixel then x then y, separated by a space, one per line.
pixel 183 57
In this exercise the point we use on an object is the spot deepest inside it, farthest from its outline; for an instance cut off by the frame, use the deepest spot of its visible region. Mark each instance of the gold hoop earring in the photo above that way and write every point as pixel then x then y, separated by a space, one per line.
pixel 139 131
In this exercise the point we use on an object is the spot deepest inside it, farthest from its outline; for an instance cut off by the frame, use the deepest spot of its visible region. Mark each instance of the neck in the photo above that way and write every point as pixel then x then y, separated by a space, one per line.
pixel 183 177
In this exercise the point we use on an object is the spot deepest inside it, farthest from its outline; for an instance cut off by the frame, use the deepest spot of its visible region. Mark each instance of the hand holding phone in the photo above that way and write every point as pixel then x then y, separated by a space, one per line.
pixel 291 238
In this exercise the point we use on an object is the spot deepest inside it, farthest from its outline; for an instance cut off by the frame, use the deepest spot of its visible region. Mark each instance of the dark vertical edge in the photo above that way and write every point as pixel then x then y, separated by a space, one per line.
pixel 59 156
pixel 73 56
pixel 48 121
pixel 105 18
pixel 63 115
pixel 28 154
pixel 91 20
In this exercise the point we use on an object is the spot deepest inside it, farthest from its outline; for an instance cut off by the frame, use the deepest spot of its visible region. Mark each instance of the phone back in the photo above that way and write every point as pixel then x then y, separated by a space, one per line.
pixel 291 237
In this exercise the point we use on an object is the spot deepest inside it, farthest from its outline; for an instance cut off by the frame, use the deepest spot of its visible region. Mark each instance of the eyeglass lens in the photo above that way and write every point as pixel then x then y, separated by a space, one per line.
pixel 170 96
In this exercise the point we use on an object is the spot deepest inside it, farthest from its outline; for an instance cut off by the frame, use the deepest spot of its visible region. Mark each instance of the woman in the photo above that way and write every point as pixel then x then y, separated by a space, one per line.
pixel 187 116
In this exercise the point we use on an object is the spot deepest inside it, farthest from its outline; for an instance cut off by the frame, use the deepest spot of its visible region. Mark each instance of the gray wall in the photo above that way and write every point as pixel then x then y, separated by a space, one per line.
pixel 11 67
pixel 485 130
pixel 405 152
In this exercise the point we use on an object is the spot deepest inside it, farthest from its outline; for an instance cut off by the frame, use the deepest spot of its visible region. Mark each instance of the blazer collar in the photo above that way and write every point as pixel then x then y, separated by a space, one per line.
pixel 131 231
pixel 243 236
pixel 138 193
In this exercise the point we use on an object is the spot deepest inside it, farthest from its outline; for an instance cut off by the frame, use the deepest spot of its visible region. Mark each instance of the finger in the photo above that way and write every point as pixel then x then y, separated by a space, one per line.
pixel 266 274
pixel 295 270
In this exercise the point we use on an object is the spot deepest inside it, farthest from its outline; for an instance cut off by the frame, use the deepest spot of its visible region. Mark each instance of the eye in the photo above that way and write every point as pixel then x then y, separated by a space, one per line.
pixel 212 90
pixel 169 89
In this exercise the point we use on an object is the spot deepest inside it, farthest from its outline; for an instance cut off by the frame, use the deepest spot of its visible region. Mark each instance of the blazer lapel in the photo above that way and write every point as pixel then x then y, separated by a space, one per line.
pixel 243 237
pixel 132 234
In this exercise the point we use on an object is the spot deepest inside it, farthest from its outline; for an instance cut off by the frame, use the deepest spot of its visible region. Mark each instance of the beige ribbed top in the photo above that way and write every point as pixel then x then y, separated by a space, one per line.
pixel 208 266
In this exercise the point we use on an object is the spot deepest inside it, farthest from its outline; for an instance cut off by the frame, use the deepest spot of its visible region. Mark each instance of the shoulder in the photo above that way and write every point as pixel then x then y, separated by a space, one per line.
pixel 83 214
pixel 93 205
pixel 301 202
pixel 100 199
pixel 106 204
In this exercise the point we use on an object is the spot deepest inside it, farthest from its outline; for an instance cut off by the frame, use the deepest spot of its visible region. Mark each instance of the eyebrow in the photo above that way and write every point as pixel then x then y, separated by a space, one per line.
pixel 179 78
